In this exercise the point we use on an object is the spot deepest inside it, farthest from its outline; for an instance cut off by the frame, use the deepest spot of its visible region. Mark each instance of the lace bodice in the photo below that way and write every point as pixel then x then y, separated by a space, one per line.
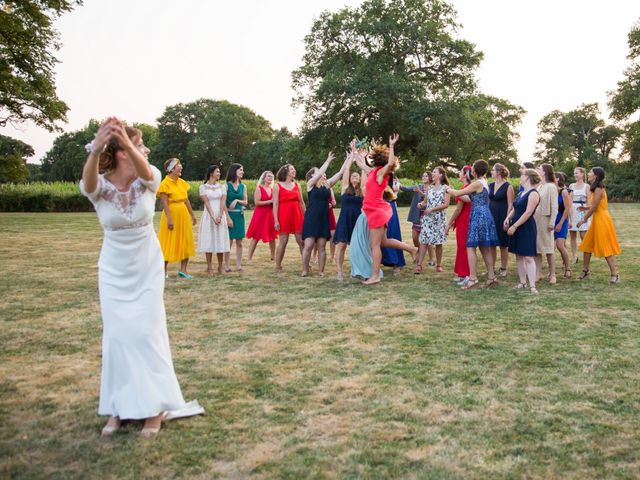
pixel 120 210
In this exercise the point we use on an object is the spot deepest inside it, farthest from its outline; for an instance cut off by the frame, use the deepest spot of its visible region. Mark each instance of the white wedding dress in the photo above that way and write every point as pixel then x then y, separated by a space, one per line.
pixel 138 380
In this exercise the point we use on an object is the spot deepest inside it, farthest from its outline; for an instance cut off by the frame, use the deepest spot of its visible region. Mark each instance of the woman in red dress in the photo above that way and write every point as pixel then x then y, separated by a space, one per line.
pixel 459 222
pixel 262 226
pixel 377 210
pixel 288 211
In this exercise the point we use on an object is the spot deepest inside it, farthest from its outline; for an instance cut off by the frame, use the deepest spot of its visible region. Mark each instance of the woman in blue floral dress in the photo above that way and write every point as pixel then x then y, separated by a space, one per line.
pixel 482 228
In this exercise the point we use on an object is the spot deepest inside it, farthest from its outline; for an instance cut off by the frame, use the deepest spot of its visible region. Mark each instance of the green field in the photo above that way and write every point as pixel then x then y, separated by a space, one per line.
pixel 311 378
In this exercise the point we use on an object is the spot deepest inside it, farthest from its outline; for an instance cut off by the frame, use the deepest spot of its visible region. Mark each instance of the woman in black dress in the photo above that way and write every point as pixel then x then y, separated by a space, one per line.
pixel 501 196
pixel 315 228
pixel 521 228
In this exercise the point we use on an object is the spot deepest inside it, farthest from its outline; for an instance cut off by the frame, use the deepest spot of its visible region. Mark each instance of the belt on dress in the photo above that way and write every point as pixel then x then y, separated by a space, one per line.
pixel 580 202
pixel 127 227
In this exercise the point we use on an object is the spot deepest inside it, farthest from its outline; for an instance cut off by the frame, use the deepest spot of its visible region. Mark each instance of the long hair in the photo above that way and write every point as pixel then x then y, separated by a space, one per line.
pixel 108 161
pixel 561 180
pixel 549 175
pixel 443 176
pixel 599 181
pixel 282 173
pixel 351 190
pixel 210 170
pixel 378 156
pixel 232 172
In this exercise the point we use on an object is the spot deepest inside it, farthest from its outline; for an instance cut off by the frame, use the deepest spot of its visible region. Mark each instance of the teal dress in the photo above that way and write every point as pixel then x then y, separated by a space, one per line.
pixel 237 215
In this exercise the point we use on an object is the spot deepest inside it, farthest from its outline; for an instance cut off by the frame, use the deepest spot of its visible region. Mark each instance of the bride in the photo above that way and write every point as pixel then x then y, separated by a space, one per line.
pixel 138 380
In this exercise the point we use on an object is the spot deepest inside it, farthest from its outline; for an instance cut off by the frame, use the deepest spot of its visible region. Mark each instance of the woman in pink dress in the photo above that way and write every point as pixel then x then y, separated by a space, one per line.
pixel 262 226
pixel 378 212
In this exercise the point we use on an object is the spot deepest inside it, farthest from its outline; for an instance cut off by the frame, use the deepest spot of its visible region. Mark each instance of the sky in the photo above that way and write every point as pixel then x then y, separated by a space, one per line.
pixel 132 59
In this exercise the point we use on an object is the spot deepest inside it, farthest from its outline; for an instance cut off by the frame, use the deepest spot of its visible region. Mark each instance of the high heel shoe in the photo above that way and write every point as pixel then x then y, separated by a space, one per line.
pixel 584 275
pixel 614 279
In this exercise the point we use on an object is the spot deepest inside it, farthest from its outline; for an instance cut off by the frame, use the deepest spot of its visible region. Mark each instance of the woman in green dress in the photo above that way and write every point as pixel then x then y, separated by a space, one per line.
pixel 236 201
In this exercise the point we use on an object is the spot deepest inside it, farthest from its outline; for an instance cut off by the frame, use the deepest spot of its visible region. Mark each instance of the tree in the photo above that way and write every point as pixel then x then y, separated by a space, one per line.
pixel 27 38
pixel 272 153
pixel 576 138
pixel 66 158
pixel 625 100
pixel 13 159
pixel 207 132
pixel 398 66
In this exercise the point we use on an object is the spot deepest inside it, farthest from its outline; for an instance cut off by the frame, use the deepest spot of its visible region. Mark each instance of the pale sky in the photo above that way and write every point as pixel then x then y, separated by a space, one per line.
pixel 133 58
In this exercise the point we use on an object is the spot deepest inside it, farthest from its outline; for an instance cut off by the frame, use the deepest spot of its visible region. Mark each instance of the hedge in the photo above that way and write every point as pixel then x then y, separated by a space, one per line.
pixel 66 197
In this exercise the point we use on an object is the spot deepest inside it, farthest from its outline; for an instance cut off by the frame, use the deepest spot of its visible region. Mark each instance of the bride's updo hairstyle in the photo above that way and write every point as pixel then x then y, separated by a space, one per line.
pixel 108 160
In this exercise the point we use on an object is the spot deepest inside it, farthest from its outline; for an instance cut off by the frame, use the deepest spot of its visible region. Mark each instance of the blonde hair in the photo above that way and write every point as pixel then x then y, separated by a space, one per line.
pixel 263 176
pixel 533 176
pixel 502 170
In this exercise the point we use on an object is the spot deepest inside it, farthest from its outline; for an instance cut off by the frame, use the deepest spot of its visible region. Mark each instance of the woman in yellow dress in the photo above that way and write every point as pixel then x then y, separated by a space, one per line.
pixel 601 239
pixel 175 234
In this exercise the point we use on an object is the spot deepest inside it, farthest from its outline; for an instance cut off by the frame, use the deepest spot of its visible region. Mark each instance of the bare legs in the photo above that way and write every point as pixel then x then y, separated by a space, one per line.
pixel 611 261
pixel 473 266
pixel 526 267
pixel 574 244
pixel 283 239
pixel 378 239
pixel 561 245
pixel 341 249
pixel 504 259
pixel 227 256
pixel 254 244
pixel 551 261
pixel 321 245
pixel 415 236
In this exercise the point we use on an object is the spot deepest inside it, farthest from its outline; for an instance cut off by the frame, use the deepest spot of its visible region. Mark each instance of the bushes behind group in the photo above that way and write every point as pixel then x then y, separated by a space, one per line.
pixel 66 197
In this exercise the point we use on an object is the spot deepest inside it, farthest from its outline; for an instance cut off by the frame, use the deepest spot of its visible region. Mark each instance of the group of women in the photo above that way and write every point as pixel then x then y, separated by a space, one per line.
pixel 138 379
pixel 545 212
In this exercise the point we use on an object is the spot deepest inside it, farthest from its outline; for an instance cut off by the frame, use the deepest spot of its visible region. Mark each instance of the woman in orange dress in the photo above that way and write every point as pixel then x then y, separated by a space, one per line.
pixel 175 233
pixel 601 239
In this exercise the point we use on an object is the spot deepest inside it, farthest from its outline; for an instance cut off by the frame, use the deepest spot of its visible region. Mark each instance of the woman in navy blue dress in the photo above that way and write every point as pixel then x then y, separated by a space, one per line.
pixel 351 205
pixel 482 229
pixel 392 257
pixel 501 196
pixel 315 228
pixel 522 230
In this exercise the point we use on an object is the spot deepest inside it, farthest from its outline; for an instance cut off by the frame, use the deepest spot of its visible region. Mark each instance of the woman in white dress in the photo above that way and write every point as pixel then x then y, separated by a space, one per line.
pixel 138 380
pixel 581 193
pixel 215 222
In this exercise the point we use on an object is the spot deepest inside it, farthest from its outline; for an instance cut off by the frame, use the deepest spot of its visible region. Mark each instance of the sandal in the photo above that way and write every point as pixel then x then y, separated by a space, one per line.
pixel 491 282
pixel 417 270
pixel 584 275
pixel 185 275
pixel 439 269
pixel 567 273
pixel 471 283
pixel 520 286
pixel 534 291
pixel 552 279
pixel 109 430
pixel 431 263
pixel 614 279
pixel 503 272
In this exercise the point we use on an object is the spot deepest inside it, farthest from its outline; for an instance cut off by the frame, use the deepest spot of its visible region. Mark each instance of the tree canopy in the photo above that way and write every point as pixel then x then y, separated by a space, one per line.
pixel 207 132
pixel 398 66
pixel 27 40
pixel 64 161
pixel 13 158
pixel 576 138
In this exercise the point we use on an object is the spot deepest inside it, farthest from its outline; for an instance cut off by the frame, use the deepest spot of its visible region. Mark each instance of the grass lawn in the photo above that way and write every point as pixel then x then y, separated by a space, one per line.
pixel 311 378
